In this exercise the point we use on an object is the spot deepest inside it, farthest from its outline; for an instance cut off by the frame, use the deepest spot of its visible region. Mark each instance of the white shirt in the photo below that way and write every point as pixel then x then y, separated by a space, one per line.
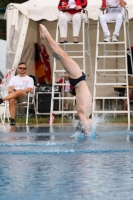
pixel 71 4
pixel 67 87
pixel 114 3
pixel 21 83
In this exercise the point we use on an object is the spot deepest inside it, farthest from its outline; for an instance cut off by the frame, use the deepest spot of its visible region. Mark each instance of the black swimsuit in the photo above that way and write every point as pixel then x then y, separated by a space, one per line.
pixel 73 82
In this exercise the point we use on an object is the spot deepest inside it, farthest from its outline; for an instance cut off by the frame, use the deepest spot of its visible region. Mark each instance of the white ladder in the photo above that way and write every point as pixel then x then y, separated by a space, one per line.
pixel 74 54
pixel 108 77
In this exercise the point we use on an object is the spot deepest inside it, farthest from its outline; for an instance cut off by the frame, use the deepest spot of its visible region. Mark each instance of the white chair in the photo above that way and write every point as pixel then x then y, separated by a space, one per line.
pixel 30 102
pixel 4 107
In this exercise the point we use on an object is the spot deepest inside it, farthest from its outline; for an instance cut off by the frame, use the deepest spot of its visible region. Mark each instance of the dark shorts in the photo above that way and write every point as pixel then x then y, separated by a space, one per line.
pixel 74 82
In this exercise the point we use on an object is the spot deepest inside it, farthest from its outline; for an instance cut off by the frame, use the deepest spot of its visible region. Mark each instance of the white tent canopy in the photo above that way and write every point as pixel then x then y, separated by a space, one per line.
pixel 43 9
pixel 3 56
pixel 22 27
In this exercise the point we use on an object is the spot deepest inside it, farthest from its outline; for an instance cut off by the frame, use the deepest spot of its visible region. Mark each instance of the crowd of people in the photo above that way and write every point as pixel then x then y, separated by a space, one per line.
pixel 70 10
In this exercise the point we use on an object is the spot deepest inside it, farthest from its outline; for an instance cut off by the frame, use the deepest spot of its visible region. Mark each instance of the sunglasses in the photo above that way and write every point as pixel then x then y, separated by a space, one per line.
pixel 22 68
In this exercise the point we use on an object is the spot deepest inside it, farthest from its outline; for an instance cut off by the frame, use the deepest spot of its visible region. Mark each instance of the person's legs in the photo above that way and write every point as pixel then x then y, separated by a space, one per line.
pixel 12 106
pixel 64 18
pixel 12 103
pixel 23 99
pixel 69 65
pixel 17 94
pixel 103 21
pixel 77 19
pixel 65 101
pixel 119 20
pixel 69 102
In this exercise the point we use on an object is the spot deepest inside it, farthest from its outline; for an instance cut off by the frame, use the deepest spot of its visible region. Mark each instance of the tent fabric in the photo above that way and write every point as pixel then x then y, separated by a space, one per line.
pixel 18 17
pixel 44 9
pixel 22 31
pixel 42 64
pixel 15 23
pixel 3 56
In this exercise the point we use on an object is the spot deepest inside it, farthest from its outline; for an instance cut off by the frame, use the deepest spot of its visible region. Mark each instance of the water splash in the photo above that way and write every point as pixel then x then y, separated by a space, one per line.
pixel 79 135
pixel 96 121
pixel 75 122
pixel 80 126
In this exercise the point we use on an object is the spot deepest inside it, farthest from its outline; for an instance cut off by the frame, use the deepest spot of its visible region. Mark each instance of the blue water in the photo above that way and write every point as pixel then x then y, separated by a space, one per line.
pixel 46 163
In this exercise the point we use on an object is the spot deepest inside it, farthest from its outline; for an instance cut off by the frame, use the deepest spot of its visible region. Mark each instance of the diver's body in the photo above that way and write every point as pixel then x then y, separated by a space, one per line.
pixel 83 96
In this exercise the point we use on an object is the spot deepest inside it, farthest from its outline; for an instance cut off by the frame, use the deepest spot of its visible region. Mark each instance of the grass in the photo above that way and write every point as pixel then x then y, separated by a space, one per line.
pixel 118 119
pixel 58 119
pixel 43 119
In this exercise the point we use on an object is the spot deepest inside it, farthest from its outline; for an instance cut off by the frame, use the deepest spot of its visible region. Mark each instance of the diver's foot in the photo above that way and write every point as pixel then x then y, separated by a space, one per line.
pixel 43 31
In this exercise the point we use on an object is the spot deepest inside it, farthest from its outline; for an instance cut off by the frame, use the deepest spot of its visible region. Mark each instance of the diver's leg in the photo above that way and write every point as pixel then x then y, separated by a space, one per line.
pixel 69 65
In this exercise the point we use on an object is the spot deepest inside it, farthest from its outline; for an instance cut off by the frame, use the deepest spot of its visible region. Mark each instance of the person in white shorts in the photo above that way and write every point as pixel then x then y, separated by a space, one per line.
pixel 19 87
pixel 113 14
pixel 71 11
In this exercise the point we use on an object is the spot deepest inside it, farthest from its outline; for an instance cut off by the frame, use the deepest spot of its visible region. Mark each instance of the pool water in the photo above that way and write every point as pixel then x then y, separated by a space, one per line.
pixel 38 163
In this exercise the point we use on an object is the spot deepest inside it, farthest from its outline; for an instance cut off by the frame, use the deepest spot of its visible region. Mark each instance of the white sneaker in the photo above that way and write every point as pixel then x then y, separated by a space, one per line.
pixel 107 38
pixel 114 38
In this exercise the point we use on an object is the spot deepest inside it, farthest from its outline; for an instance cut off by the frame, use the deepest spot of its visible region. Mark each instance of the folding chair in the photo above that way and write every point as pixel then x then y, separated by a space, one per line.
pixel 4 107
pixel 28 104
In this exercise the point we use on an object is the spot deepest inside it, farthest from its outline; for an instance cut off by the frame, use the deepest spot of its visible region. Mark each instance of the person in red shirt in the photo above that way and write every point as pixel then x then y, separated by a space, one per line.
pixel 71 11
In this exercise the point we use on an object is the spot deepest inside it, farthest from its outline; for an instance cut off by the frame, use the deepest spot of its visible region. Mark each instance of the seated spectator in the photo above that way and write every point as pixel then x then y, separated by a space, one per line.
pixel 71 11
pixel 67 92
pixel 113 14
pixel 19 87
